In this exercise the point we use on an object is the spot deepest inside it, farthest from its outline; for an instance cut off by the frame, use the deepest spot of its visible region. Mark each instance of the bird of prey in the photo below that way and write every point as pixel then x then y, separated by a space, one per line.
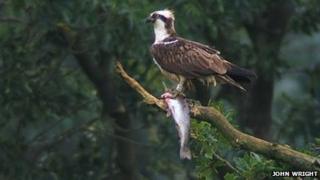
pixel 184 60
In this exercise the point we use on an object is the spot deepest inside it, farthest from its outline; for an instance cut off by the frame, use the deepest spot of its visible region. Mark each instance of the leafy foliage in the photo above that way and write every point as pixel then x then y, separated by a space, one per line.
pixel 208 143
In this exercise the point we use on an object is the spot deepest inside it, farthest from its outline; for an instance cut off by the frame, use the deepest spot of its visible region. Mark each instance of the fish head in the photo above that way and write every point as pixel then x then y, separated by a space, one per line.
pixel 167 95
pixel 168 98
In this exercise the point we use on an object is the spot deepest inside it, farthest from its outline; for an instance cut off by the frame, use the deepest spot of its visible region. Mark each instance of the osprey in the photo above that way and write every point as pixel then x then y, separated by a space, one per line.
pixel 183 60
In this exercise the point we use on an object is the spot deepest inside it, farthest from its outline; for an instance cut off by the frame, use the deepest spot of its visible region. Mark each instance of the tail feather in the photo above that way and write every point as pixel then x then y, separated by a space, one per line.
pixel 241 75
pixel 185 153
pixel 231 81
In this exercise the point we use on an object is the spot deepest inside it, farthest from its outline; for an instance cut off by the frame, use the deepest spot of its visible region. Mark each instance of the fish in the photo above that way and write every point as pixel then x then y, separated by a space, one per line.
pixel 178 108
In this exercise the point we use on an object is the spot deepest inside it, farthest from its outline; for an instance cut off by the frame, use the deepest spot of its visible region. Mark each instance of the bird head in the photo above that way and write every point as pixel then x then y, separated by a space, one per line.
pixel 163 22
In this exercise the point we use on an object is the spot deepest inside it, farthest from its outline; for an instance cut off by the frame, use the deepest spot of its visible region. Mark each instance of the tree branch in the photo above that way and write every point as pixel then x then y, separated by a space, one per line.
pixel 10 20
pixel 237 138
pixel 227 163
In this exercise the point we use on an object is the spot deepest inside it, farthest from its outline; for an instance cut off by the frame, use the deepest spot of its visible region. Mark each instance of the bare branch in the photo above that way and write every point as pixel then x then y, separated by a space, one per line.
pixel 10 20
pixel 237 138
pixel 147 97
pixel 227 163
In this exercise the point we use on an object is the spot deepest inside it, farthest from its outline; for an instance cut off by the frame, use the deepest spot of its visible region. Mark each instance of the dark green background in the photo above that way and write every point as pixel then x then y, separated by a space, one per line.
pixel 65 114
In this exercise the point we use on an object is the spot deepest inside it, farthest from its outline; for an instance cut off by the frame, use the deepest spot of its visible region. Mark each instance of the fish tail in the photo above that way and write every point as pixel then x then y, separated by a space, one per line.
pixel 185 153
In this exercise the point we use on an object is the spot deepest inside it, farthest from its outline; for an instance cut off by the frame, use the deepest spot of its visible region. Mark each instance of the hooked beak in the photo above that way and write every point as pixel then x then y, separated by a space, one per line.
pixel 150 19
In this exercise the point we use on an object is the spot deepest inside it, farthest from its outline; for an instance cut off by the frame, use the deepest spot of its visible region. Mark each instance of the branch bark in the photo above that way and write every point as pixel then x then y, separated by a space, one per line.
pixel 237 138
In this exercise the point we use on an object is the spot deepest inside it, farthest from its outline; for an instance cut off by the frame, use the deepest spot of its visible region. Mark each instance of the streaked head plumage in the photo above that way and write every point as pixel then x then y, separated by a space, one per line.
pixel 165 12
pixel 163 21
pixel 164 15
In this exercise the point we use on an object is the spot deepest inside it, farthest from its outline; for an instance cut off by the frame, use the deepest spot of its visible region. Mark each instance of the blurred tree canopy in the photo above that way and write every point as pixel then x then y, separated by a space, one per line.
pixel 66 115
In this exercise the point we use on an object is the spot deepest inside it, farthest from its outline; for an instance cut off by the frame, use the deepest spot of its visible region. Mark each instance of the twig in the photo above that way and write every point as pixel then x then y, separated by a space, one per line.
pixel 10 19
pixel 56 123
pixel 237 138
pixel 36 151
pixel 123 138
pixel 227 163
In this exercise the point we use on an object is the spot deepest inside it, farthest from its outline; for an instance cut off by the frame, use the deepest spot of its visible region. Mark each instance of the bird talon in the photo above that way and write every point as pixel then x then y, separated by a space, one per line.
pixel 193 102
pixel 176 93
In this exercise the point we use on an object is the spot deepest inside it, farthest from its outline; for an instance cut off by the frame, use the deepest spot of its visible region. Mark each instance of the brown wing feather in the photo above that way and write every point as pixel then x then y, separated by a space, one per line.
pixel 202 46
pixel 188 59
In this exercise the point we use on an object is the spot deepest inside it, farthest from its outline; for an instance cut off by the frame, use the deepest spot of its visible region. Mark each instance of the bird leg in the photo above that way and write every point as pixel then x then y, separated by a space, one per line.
pixel 180 87
pixel 193 102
